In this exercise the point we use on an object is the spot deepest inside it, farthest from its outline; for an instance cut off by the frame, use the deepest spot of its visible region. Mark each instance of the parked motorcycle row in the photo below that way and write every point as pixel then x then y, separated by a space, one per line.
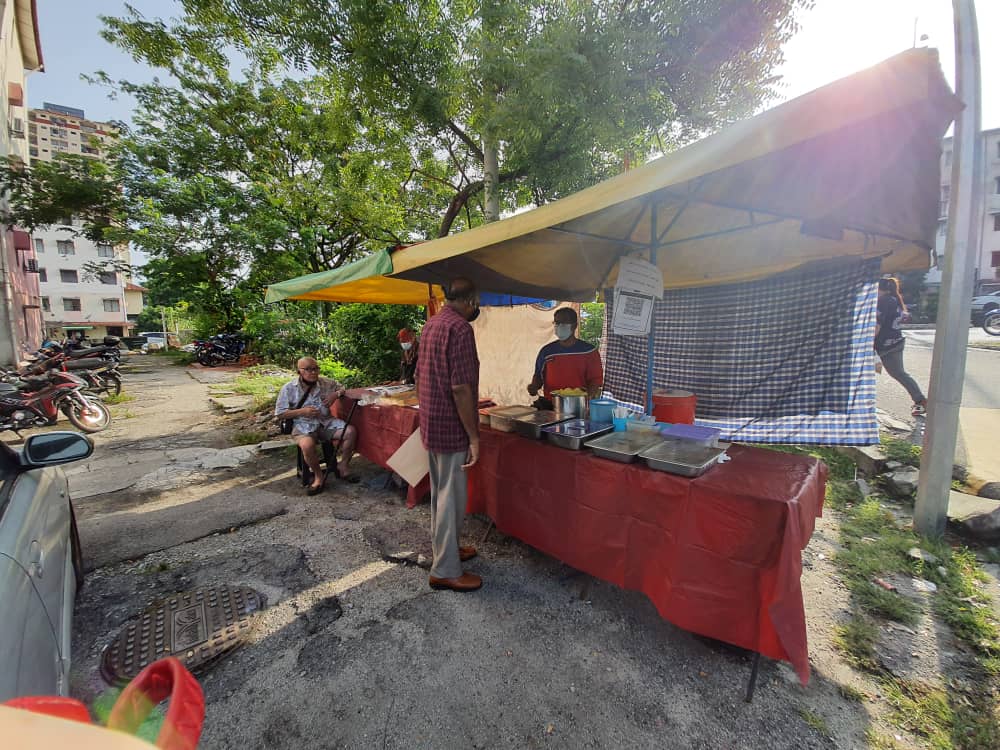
pixel 220 349
pixel 58 379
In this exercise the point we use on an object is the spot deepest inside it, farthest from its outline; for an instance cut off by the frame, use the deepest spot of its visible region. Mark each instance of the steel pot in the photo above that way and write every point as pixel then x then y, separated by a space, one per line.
pixel 570 406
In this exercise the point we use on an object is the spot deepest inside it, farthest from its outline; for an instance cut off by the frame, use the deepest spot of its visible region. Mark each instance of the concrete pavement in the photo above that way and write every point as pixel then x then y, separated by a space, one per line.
pixel 979 415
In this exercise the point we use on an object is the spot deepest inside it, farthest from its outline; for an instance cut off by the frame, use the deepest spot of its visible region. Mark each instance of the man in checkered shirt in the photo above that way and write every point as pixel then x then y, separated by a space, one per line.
pixel 448 390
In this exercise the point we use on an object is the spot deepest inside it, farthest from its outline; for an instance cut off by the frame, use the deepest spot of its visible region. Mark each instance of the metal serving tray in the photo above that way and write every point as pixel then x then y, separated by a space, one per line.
pixel 622 446
pixel 530 425
pixel 575 432
pixel 502 417
pixel 682 457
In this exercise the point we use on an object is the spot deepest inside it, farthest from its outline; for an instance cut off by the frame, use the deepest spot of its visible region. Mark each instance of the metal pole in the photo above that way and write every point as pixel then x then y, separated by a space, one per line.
pixel 651 340
pixel 951 339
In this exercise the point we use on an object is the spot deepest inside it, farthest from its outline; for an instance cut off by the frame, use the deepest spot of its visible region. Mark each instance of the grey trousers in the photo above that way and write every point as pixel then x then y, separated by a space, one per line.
pixel 449 494
pixel 892 361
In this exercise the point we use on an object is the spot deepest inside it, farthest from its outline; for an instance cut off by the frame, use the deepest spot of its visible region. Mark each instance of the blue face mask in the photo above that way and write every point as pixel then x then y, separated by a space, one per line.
pixel 563 331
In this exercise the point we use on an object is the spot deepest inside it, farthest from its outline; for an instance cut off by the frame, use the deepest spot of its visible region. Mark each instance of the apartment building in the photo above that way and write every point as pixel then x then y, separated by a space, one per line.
pixel 988 253
pixel 56 129
pixel 20 54
pixel 81 288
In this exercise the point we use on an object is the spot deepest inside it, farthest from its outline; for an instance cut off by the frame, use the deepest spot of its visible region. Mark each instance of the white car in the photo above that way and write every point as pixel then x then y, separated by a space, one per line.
pixel 983 304
pixel 155 341
pixel 41 564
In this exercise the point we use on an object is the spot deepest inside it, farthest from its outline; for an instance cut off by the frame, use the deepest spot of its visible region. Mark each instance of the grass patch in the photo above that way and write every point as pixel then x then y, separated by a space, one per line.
pixel 840 464
pixel 176 357
pixel 988 345
pixel 249 437
pixel 963 605
pixel 857 640
pixel 847 692
pixel 118 398
pixel 945 719
pixel 897 449
pixel 816 721
pixel 878 741
pixel 261 383
pixel 123 414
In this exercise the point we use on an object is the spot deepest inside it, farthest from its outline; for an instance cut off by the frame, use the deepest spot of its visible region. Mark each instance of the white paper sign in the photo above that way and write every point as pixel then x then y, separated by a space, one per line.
pixel 410 460
pixel 639 276
pixel 632 313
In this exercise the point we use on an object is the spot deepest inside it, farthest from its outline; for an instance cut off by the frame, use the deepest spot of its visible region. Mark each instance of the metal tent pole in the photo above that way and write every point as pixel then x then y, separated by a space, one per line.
pixel 951 339
pixel 651 339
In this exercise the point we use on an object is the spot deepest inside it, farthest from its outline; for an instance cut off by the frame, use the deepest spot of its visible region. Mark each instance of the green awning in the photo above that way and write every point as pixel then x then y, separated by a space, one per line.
pixel 363 280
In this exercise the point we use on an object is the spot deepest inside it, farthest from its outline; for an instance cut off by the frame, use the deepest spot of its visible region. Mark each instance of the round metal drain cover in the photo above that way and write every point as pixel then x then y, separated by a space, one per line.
pixel 196 626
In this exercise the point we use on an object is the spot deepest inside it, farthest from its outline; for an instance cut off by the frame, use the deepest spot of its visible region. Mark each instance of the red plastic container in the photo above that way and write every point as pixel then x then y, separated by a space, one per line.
pixel 674 406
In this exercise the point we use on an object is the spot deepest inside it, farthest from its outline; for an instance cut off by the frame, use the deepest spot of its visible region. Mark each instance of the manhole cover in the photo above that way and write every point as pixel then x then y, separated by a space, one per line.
pixel 196 626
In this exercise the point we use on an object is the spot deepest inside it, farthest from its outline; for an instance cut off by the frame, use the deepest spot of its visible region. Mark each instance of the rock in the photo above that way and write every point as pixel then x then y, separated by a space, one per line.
pixel 184 455
pixel 919 584
pixel 990 490
pixel 234 409
pixel 863 488
pixel 870 459
pixel 893 465
pixel 918 554
pixel 890 422
pixel 942 571
pixel 274 445
pixel 903 482
pixel 978 517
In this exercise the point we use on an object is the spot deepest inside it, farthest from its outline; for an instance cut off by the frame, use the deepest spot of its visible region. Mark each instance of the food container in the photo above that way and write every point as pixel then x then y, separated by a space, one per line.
pixel 570 406
pixel 531 425
pixel 601 409
pixel 502 417
pixel 484 416
pixel 707 436
pixel 622 446
pixel 574 433
pixel 682 457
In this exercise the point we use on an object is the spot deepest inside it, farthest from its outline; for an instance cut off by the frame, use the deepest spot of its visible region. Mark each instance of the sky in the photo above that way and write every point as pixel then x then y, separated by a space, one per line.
pixel 836 38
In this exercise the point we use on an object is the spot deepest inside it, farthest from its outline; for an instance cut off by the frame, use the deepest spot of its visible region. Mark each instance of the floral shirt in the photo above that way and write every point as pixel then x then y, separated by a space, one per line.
pixel 321 396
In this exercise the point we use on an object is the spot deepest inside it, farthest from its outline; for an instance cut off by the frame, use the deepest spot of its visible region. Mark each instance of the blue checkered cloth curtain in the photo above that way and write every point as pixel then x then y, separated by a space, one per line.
pixel 787 359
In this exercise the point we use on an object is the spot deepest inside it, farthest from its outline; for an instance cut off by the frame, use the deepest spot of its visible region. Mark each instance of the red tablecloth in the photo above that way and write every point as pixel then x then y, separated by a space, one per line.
pixel 381 430
pixel 719 555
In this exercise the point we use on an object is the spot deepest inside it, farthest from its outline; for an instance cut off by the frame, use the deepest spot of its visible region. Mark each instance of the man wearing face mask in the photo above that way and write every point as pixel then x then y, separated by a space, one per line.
pixel 567 362
pixel 408 362
pixel 448 389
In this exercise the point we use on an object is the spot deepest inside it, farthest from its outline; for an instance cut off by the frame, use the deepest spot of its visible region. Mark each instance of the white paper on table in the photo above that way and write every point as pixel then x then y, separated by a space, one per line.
pixel 410 460
pixel 632 314
pixel 640 276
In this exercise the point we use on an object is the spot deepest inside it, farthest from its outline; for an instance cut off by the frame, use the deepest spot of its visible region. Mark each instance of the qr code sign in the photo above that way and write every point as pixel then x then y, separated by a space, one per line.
pixel 633 306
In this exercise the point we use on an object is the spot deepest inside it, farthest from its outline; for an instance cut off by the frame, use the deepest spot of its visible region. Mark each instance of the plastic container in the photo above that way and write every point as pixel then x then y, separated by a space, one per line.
pixel 620 423
pixel 674 406
pixel 601 409
pixel 706 436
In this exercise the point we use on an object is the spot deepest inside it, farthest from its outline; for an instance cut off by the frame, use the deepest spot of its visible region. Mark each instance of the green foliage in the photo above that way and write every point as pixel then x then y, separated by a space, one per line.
pixel 591 322
pixel 249 437
pixel 262 383
pixel 117 398
pixel 363 337
pixel 815 721
pixel 897 449
pixel 346 376
pixel 283 333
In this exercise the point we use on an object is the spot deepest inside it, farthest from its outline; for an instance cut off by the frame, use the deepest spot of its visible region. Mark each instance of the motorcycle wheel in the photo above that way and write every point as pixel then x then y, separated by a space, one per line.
pixel 111 384
pixel 992 324
pixel 96 418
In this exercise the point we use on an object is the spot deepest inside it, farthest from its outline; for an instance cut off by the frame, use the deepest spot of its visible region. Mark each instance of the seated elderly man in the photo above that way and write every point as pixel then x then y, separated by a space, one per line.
pixel 307 401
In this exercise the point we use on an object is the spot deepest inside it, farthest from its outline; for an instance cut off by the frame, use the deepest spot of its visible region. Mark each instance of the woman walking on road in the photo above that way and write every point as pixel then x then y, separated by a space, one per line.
pixel 889 341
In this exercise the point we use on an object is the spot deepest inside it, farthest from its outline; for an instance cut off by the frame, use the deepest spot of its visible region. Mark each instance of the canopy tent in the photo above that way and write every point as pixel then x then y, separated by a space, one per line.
pixel 364 280
pixel 850 169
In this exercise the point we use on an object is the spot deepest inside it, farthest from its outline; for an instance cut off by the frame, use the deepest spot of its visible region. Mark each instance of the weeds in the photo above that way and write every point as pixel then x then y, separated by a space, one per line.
pixel 816 721
pixel 897 449
pixel 851 694
pixel 118 398
pixel 877 741
pixel 261 383
pixel 123 414
pixel 857 640
pixel 249 437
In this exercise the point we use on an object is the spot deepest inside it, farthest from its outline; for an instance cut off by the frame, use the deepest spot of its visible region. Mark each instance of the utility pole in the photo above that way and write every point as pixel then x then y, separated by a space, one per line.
pixel 951 339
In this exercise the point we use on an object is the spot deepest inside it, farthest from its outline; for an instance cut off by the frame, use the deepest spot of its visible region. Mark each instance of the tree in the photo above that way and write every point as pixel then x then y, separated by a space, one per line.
pixel 559 91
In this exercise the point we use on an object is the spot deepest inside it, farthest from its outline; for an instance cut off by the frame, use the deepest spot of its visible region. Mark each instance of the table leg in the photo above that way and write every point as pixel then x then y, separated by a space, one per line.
pixel 753 677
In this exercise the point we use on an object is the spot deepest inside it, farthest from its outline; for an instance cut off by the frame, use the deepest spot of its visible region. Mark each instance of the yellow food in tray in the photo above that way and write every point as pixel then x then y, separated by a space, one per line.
pixel 569 392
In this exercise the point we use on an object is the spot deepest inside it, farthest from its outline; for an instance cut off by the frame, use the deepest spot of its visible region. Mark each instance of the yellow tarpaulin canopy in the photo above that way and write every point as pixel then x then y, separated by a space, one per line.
pixel 361 281
pixel 851 169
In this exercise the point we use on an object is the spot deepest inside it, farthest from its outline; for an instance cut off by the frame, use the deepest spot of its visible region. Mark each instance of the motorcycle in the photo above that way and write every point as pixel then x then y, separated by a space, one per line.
pixel 37 401
pixel 991 323
pixel 221 348
pixel 100 374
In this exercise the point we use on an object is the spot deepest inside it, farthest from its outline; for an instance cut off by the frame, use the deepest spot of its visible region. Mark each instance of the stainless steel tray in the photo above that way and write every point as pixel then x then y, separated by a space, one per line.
pixel 622 446
pixel 682 457
pixel 574 433
pixel 530 425
pixel 502 417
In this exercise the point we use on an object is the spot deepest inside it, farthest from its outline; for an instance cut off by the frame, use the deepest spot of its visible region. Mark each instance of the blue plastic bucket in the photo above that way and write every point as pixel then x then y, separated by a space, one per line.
pixel 601 409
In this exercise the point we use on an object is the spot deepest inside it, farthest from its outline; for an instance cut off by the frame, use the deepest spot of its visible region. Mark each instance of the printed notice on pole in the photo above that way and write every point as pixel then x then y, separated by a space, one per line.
pixel 639 283
pixel 633 313
pixel 639 276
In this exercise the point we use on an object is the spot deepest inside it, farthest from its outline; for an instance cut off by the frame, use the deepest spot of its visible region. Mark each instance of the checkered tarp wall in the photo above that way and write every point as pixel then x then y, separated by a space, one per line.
pixel 785 360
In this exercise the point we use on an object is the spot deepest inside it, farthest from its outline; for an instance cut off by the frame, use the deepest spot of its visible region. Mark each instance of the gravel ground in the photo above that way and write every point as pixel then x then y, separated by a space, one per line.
pixel 357 652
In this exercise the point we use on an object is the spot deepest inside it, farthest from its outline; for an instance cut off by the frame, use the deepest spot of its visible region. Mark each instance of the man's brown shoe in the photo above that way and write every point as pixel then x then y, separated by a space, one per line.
pixel 466 553
pixel 465 582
